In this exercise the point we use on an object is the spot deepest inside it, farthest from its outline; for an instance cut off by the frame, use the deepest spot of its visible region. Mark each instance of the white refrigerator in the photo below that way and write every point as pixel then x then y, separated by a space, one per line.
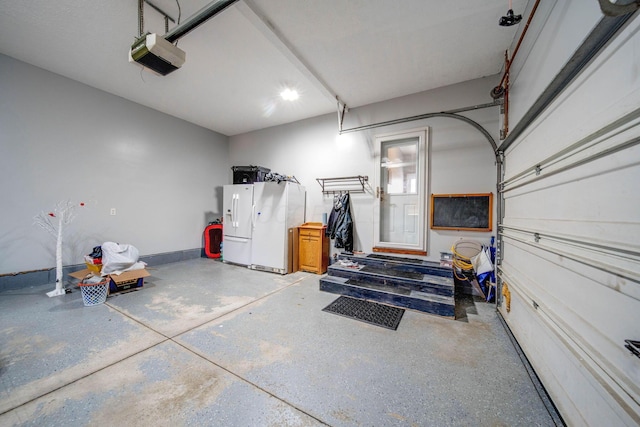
pixel 256 233
pixel 237 204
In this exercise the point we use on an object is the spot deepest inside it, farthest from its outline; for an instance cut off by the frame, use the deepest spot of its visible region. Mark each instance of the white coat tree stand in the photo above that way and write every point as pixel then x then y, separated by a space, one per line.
pixel 64 212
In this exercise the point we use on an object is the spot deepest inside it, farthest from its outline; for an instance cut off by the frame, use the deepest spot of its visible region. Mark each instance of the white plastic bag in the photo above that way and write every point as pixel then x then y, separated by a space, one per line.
pixel 117 258
pixel 482 262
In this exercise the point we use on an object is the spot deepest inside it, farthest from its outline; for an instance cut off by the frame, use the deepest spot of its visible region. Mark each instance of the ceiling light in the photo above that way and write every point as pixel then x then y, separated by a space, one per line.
pixel 289 94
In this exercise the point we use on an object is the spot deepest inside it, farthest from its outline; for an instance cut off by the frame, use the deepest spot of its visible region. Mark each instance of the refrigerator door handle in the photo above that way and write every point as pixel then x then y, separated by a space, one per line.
pixel 233 210
pixel 253 216
pixel 236 239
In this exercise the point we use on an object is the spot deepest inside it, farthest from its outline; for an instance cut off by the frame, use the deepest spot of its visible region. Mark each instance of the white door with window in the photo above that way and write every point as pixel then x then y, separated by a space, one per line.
pixel 401 187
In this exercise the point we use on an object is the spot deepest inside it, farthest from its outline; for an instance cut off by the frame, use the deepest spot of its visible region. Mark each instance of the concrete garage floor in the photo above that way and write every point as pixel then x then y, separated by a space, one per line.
pixel 206 343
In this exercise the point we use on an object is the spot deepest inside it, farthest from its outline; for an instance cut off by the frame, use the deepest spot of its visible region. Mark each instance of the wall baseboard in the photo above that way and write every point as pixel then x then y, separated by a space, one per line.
pixel 42 277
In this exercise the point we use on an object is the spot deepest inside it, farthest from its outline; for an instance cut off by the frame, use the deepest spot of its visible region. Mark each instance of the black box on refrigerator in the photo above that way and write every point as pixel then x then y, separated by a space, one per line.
pixel 249 174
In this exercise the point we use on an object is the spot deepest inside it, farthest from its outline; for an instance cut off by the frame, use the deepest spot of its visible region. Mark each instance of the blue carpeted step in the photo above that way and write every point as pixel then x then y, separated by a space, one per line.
pixel 400 263
pixel 394 277
pixel 402 282
pixel 395 295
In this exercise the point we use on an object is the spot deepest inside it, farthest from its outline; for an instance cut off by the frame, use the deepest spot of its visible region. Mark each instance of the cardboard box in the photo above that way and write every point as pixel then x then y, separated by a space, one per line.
pixel 118 282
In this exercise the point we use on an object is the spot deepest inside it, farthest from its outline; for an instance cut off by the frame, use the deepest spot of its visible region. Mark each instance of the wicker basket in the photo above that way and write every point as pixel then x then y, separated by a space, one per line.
pixel 94 293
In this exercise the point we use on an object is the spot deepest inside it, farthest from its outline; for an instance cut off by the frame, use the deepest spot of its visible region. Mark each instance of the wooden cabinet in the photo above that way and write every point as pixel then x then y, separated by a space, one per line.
pixel 313 248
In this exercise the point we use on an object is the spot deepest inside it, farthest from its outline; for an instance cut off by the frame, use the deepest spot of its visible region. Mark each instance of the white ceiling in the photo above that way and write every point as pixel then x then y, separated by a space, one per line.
pixel 363 51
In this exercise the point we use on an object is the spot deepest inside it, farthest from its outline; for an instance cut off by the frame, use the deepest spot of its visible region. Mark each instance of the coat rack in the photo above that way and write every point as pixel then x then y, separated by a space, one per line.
pixel 345 184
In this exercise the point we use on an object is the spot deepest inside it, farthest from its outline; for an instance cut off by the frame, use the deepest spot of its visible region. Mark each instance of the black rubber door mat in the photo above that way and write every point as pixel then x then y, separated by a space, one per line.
pixel 366 311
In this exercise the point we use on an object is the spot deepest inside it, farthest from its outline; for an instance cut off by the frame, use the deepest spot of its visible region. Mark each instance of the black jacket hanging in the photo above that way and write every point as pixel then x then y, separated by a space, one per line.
pixel 340 224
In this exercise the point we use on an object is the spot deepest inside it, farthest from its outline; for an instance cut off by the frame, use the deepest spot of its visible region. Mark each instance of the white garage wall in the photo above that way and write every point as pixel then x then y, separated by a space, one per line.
pixel 461 159
pixel 571 229
pixel 62 140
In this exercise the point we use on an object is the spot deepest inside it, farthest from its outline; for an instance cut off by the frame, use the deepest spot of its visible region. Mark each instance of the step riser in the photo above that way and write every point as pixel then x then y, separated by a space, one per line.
pixel 427 268
pixel 441 309
pixel 437 289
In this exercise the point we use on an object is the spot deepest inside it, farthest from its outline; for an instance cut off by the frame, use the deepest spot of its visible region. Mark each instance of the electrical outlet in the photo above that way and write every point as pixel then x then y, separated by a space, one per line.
pixel 113 211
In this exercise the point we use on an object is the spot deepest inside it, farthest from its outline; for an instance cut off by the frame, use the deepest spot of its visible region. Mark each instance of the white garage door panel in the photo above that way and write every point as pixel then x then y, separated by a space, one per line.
pixel 574 299
pixel 600 152
pixel 565 23
pixel 571 239
pixel 611 89
pixel 571 388
pixel 609 268
pixel 607 197
pixel 594 207
pixel 586 283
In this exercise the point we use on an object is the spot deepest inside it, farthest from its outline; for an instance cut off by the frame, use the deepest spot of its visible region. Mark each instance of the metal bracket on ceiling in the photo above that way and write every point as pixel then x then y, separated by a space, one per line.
pixel 197 19
pixel 167 17
pixel 342 108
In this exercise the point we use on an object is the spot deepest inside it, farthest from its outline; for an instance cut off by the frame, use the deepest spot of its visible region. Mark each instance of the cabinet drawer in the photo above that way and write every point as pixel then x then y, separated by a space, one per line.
pixel 310 232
